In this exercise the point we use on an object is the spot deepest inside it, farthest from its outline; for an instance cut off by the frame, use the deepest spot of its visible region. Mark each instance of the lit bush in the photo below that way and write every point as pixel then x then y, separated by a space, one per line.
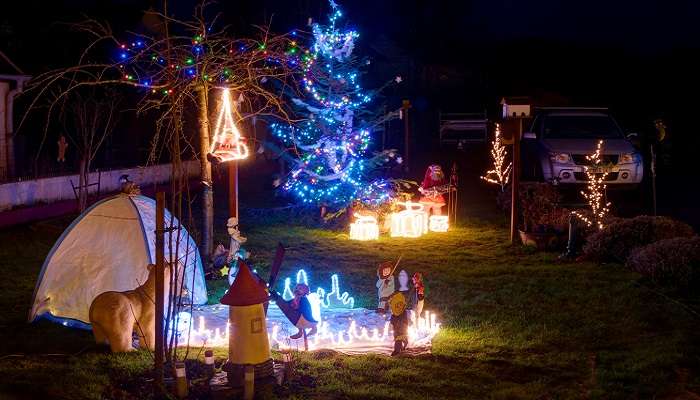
pixel 672 262
pixel 618 239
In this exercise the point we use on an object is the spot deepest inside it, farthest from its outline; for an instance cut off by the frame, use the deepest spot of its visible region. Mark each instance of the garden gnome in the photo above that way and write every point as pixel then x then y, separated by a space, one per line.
pixel 399 322
pixel 432 199
pixel 403 282
pixel 419 293
pixel 385 284
pixel 248 342
pixel 297 310
pixel 235 251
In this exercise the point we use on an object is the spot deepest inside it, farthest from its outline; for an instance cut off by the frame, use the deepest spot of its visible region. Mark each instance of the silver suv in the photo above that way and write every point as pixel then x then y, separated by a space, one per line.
pixel 561 138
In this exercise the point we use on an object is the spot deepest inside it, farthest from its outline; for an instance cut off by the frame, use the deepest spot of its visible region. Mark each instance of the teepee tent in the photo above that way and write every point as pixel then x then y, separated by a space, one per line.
pixel 108 248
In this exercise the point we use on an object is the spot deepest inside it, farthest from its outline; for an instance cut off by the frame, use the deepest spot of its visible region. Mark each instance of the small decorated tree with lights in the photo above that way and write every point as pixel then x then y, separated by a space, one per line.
pixel 595 191
pixel 333 136
pixel 500 173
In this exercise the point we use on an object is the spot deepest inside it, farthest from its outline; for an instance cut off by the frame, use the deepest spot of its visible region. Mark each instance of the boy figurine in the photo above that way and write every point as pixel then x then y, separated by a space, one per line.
pixel 385 284
pixel 419 293
pixel 399 322
pixel 297 310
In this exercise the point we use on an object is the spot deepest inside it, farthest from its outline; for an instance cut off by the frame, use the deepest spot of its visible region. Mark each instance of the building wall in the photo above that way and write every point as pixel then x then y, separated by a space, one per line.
pixel 49 190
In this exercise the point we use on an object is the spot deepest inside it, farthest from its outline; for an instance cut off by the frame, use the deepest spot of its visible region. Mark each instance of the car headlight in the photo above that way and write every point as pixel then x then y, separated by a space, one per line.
pixel 629 158
pixel 561 158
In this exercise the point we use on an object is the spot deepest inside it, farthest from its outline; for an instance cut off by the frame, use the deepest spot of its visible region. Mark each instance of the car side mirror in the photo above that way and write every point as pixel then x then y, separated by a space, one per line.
pixel 529 135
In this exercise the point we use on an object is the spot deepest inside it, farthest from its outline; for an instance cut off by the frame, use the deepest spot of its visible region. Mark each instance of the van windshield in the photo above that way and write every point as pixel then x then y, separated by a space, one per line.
pixel 580 127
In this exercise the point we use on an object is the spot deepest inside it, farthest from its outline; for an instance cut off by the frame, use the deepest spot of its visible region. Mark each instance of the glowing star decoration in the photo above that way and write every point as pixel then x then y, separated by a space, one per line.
pixel 439 223
pixel 227 144
pixel 364 228
pixel 332 299
pixel 411 222
pixel 499 175
pixel 596 173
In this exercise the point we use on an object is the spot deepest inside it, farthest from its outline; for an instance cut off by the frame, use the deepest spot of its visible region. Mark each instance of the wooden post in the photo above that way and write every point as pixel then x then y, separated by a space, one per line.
pixel 407 134
pixel 515 195
pixel 160 292
pixel 233 189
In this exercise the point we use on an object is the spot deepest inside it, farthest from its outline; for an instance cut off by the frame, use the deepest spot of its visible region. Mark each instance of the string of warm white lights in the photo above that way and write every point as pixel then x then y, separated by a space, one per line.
pixel 595 191
pixel 227 142
pixel 498 175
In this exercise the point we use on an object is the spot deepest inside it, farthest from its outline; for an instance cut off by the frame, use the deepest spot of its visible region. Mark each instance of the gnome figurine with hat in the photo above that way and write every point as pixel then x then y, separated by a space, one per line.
pixel 385 284
pixel 432 200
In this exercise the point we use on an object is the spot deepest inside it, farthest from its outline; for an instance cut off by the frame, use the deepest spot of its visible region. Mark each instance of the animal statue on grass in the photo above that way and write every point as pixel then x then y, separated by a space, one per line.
pixel 116 315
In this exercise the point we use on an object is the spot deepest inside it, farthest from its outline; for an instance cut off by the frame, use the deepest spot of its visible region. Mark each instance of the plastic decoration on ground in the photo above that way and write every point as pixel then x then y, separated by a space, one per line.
pixel 438 223
pixel 364 228
pixel 341 327
pixel 227 143
pixel 411 222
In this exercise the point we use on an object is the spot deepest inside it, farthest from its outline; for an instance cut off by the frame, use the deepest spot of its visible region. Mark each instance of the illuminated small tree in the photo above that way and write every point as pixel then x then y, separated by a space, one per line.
pixel 498 175
pixel 595 192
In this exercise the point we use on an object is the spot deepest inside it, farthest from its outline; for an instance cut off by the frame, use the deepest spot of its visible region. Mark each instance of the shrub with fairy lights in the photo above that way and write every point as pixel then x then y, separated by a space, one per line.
pixel 333 136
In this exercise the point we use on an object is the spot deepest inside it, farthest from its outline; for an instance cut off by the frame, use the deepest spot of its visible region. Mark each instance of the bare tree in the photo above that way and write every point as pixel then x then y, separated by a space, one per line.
pixel 180 65
pixel 88 118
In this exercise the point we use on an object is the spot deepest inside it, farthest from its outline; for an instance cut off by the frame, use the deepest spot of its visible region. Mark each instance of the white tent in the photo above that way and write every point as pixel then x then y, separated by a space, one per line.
pixel 108 248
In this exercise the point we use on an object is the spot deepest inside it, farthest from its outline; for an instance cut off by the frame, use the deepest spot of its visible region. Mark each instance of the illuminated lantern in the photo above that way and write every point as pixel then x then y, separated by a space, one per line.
pixel 439 223
pixel 227 143
pixel 411 222
pixel 248 341
pixel 364 228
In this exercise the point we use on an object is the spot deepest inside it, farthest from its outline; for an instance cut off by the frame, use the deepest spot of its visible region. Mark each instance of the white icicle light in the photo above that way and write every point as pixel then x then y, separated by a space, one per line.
pixel 439 223
pixel 411 222
pixel 364 228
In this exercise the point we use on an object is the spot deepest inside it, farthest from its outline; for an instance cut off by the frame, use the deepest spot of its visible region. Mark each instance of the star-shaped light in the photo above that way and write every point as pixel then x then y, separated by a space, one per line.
pixel 398 79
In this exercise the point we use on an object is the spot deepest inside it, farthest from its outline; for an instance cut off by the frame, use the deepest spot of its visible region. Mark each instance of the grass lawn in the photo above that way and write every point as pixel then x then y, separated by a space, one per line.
pixel 517 324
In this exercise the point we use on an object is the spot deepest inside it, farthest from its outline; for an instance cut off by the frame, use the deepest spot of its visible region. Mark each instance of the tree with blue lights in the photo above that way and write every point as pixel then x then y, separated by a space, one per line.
pixel 332 139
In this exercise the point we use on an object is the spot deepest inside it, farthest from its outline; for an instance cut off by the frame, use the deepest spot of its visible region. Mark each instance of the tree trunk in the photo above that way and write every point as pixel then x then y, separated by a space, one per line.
pixel 206 246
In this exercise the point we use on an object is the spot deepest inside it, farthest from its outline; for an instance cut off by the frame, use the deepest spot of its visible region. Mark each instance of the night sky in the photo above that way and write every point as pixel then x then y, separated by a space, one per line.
pixel 638 58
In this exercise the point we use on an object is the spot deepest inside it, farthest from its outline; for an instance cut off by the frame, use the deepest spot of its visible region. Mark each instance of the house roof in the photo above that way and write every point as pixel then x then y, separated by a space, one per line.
pixel 516 100
pixel 246 289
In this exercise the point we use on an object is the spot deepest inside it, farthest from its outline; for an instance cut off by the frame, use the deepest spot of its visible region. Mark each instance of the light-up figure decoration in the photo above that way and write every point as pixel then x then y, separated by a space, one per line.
pixel 332 299
pixel 439 223
pixel 411 222
pixel 364 228
pixel 341 326
pixel 227 143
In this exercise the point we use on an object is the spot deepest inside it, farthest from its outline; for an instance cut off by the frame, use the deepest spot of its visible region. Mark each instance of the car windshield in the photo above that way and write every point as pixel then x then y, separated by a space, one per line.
pixel 580 127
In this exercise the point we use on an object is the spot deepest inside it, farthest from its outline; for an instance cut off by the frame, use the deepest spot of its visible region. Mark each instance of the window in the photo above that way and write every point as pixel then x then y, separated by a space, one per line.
pixel 580 127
